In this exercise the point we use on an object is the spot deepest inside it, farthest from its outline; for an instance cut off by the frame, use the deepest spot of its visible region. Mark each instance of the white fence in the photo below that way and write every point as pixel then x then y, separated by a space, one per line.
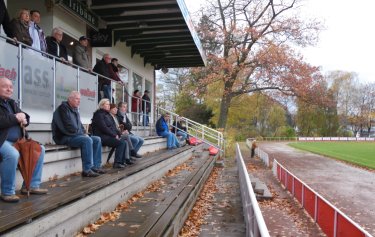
pixel 255 225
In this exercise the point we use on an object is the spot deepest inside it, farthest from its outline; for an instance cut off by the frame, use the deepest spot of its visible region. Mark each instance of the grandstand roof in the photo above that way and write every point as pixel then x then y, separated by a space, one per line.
pixel 160 31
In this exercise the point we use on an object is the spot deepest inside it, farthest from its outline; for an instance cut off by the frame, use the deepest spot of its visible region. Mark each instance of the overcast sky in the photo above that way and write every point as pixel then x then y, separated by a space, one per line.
pixel 347 44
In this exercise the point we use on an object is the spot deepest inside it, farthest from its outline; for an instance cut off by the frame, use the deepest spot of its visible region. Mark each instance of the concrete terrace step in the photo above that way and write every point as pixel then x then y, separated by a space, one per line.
pixel 61 160
pixel 260 188
pixel 162 212
pixel 42 132
pixel 76 201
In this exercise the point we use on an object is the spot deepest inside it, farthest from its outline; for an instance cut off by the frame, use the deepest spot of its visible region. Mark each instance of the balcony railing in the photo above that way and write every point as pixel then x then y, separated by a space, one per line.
pixel 42 81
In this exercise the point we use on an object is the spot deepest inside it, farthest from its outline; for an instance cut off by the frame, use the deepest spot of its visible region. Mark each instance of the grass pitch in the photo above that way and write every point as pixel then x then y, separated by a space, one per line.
pixel 359 153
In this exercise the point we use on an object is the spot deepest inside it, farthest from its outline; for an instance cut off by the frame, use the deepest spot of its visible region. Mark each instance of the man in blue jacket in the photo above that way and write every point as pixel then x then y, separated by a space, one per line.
pixel 162 129
pixel 11 117
pixel 67 129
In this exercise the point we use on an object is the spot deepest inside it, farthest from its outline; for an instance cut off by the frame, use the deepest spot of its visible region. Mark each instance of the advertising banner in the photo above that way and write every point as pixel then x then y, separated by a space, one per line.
pixel 66 81
pixel 37 89
pixel 9 64
pixel 89 100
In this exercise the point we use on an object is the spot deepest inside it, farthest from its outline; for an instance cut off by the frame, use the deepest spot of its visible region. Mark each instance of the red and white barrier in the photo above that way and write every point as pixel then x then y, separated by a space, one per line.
pixel 331 220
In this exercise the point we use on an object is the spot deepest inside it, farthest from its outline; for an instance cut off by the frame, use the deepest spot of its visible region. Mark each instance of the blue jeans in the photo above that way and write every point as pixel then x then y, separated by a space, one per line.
pixel 91 150
pixel 172 141
pixel 106 91
pixel 137 141
pixel 145 119
pixel 182 134
pixel 9 165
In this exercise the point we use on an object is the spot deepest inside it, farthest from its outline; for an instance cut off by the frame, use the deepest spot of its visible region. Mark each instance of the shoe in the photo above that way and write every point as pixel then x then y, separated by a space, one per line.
pixel 99 170
pixel 38 191
pixel 118 166
pixel 135 154
pixel 10 198
pixel 132 159
pixel 129 162
pixel 90 173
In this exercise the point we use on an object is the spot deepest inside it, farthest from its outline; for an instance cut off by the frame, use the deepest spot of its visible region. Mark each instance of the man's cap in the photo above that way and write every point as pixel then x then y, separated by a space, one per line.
pixel 83 38
pixel 146 91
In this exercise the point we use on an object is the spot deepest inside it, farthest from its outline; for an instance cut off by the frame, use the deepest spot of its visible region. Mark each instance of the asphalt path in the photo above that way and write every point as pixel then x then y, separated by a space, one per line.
pixel 349 188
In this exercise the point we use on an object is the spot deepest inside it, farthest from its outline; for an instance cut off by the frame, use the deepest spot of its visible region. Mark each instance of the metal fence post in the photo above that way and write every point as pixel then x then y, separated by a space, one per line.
pixel 54 84
pixel 335 225
pixel 20 76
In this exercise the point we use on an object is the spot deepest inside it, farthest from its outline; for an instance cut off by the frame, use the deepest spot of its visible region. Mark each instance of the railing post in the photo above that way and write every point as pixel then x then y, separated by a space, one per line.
pixel 335 224
pixel 54 84
pixel 316 208
pixel 20 75
pixel 202 128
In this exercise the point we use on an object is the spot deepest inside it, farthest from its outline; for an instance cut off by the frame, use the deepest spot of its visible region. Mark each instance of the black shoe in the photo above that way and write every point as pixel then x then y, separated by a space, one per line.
pixel 135 154
pixel 118 166
pixel 99 170
pixel 90 173
pixel 129 162
pixel 132 159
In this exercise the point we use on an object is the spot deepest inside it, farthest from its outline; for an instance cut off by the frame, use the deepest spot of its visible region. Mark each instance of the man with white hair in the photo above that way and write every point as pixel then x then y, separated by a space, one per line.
pixel 67 129
pixel 11 118
pixel 55 46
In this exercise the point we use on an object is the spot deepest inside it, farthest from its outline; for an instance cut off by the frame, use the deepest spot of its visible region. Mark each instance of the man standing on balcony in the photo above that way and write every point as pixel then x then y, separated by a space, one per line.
pixel 55 46
pixel 36 33
pixel 67 129
pixel 10 131
pixel 146 107
pixel 81 56
pixel 104 84
pixel 4 18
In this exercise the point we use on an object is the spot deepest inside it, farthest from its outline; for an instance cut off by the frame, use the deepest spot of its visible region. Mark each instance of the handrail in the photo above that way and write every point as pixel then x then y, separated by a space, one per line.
pixel 197 130
pixel 255 224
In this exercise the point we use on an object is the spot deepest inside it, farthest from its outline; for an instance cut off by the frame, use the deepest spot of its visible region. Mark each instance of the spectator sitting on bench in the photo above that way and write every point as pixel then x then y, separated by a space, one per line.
pixel 11 117
pixel 162 129
pixel 67 129
pixel 179 130
pixel 104 126
pixel 123 119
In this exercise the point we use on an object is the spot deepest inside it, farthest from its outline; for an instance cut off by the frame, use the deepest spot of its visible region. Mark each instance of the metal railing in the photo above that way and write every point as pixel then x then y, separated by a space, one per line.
pixel 331 220
pixel 206 134
pixel 255 225
pixel 42 81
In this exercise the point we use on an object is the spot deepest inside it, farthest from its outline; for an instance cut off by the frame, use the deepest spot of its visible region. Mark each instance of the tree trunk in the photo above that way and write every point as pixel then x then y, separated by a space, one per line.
pixel 224 108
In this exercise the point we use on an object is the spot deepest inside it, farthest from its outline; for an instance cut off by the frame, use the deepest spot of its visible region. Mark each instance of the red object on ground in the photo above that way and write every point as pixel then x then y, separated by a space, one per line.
pixel 193 141
pixel 213 150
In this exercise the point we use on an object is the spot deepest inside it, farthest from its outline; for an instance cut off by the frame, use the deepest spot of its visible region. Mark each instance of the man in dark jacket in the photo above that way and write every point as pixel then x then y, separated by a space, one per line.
pixel 10 131
pixel 67 129
pixel 146 107
pixel 162 129
pixel 101 68
pixel 55 46
pixel 123 119
pixel 4 18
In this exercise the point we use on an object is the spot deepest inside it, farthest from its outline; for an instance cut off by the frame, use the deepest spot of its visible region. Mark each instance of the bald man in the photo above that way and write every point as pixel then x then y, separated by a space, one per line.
pixel 11 117
pixel 67 129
